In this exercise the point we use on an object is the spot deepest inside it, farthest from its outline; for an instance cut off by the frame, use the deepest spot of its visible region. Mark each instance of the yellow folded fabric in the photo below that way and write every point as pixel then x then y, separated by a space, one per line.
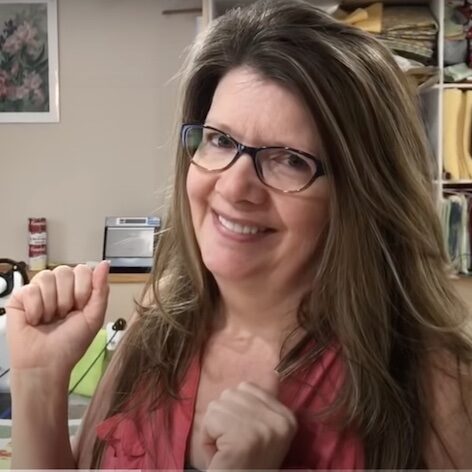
pixel 89 383
pixel 357 15
pixel 367 19
pixel 453 126
pixel 373 22
pixel 467 133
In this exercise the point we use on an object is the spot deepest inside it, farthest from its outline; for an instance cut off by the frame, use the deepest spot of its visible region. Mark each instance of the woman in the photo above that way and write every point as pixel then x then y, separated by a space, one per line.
pixel 299 313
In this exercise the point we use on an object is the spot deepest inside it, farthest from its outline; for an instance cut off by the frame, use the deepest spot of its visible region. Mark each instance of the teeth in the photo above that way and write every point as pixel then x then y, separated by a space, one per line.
pixel 236 228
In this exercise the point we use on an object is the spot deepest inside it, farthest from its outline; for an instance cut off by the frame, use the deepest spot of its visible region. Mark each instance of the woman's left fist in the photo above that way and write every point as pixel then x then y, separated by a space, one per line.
pixel 247 428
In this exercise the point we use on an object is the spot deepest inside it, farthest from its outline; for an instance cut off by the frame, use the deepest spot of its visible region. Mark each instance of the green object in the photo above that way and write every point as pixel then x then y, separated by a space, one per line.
pixel 457 72
pixel 89 383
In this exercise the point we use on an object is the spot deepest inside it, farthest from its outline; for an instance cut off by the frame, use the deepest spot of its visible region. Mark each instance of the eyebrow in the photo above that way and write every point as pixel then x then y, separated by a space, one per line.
pixel 226 129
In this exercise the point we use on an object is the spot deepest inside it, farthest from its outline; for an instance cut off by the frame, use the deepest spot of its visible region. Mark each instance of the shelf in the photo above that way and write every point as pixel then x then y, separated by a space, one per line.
pixel 460 85
pixel 128 278
pixel 452 183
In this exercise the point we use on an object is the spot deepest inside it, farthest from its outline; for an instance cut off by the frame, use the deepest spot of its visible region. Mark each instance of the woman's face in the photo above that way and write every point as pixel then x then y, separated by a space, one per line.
pixel 247 231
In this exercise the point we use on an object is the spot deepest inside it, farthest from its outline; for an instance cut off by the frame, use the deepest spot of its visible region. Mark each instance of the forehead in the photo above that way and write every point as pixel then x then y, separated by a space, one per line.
pixel 261 112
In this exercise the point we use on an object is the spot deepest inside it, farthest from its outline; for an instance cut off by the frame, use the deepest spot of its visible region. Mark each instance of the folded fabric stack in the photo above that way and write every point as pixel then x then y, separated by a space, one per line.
pixel 410 31
pixel 456 218
pixel 457 41
pixel 457 130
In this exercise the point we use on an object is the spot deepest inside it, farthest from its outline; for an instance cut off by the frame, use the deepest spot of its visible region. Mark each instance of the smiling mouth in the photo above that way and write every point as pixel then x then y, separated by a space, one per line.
pixel 238 228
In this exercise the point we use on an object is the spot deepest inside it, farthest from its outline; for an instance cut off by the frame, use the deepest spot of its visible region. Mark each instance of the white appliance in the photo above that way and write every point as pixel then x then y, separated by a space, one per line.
pixel 11 279
pixel 129 242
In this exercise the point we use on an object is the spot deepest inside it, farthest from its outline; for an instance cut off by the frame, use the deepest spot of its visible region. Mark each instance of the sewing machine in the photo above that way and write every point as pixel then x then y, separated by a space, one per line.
pixel 11 278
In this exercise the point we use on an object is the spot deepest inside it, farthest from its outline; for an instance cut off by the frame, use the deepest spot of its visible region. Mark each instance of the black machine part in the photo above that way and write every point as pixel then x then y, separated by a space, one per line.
pixel 8 276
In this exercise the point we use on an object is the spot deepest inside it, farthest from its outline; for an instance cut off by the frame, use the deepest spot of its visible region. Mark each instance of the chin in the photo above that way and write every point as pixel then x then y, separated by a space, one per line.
pixel 225 269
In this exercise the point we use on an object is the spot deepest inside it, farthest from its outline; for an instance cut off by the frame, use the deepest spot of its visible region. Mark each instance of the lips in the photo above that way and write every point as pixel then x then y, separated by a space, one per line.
pixel 240 227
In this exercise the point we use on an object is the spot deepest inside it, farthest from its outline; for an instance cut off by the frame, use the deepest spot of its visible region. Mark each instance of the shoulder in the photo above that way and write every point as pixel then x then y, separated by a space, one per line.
pixel 447 391
pixel 147 298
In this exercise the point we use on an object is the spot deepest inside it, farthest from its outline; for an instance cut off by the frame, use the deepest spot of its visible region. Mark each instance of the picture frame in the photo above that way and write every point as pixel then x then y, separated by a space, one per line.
pixel 29 69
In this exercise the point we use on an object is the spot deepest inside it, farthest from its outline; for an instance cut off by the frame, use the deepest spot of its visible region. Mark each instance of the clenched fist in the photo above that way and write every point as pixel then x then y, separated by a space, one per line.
pixel 52 321
pixel 247 428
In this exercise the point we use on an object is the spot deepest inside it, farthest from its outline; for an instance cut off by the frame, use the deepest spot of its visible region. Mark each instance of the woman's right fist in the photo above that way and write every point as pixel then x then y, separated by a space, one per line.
pixel 52 321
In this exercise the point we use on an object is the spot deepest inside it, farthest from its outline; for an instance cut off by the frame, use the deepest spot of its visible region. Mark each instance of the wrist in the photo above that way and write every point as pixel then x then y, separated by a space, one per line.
pixel 50 378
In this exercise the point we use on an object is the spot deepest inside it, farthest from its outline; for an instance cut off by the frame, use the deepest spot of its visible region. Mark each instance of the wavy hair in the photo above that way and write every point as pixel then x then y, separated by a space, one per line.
pixel 381 288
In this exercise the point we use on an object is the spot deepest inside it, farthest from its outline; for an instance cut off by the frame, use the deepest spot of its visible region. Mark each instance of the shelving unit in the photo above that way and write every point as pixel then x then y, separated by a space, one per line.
pixel 432 99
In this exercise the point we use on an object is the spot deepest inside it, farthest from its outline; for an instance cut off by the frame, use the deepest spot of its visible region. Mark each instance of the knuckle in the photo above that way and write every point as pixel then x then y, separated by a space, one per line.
pixel 63 271
pixel 45 274
pixel 227 394
pixel 63 268
pixel 212 405
pixel 284 427
pixel 82 269
pixel 263 434
pixel 41 277
pixel 292 418
pixel 246 386
pixel 32 291
pixel 287 425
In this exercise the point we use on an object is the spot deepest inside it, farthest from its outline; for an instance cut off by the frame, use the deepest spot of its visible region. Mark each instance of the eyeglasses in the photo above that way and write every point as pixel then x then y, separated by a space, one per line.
pixel 278 167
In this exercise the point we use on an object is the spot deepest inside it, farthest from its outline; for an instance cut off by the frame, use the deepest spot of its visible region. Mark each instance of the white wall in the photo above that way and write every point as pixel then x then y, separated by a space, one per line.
pixel 110 152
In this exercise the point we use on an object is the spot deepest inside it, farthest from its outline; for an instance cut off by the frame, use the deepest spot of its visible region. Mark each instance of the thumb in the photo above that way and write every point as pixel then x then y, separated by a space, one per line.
pixel 96 306
pixel 270 383
pixel 15 302
pixel 15 307
pixel 208 445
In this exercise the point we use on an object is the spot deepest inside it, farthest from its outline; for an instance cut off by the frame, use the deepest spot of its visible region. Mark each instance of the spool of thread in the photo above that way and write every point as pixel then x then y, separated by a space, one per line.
pixel 38 240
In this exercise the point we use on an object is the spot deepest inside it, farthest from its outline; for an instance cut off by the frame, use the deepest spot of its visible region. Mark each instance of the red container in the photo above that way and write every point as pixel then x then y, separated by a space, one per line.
pixel 38 239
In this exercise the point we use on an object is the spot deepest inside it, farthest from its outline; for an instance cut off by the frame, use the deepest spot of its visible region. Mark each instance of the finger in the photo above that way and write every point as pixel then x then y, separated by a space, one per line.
pixel 267 398
pixel 97 304
pixel 33 304
pixel 15 309
pixel 254 408
pixel 243 401
pixel 82 285
pixel 208 445
pixel 65 290
pixel 270 382
pixel 46 282
pixel 217 420
pixel 15 302
pixel 262 410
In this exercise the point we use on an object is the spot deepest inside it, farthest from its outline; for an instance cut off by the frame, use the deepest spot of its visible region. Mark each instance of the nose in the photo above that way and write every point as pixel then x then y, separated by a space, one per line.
pixel 240 183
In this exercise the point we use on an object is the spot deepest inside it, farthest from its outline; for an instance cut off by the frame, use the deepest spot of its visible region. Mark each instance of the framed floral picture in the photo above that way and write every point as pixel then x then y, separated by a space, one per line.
pixel 29 72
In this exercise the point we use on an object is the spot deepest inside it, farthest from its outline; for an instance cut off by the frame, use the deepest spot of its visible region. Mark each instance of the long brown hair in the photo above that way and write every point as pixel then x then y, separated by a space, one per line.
pixel 381 288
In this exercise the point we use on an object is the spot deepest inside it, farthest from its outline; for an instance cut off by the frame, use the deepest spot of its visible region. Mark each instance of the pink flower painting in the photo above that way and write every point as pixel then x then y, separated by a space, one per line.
pixel 24 65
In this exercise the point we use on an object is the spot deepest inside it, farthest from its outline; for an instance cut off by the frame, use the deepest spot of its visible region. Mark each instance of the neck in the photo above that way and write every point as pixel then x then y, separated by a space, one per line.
pixel 251 311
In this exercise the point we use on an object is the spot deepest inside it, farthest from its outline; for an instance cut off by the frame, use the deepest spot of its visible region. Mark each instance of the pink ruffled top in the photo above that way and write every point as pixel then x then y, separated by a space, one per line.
pixel 157 441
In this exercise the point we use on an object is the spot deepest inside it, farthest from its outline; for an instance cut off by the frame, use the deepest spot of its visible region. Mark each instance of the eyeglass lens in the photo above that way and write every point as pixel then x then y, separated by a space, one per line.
pixel 280 168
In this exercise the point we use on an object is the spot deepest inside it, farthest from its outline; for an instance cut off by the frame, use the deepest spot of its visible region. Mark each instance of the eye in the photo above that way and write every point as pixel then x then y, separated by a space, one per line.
pixel 296 162
pixel 220 140
pixel 289 161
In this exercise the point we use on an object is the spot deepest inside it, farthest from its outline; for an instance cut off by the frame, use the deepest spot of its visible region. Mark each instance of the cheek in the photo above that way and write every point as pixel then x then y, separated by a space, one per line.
pixel 312 221
pixel 307 219
pixel 199 187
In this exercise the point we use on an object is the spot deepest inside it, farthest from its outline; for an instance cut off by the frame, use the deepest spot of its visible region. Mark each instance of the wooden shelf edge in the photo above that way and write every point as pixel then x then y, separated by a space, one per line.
pixel 128 278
